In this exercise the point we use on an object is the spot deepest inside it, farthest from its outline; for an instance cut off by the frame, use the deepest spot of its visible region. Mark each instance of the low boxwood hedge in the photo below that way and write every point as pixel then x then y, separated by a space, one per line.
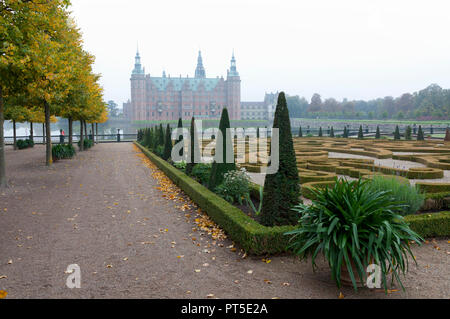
pixel 253 237
pixel 430 225
pixel 433 187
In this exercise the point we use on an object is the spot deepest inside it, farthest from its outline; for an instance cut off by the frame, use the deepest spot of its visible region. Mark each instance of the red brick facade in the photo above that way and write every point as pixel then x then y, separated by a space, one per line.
pixel 165 98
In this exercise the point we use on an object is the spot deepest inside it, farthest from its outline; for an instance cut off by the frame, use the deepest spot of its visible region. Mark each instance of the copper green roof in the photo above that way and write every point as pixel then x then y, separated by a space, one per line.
pixel 193 84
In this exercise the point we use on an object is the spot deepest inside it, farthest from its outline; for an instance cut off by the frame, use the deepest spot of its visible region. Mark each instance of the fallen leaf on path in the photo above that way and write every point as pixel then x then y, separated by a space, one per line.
pixel 341 295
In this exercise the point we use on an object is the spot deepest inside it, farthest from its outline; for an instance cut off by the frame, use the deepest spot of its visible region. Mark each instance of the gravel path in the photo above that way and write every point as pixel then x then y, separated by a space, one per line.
pixel 103 211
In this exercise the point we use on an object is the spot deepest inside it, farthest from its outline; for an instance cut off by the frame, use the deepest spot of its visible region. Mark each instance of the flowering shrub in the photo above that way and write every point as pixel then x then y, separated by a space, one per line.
pixel 235 186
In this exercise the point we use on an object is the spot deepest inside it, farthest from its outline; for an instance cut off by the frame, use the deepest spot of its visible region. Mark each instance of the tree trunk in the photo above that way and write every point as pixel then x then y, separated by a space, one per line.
pixel 81 136
pixel 31 132
pixel 43 133
pixel 3 182
pixel 14 135
pixel 48 142
pixel 93 132
pixel 85 129
pixel 70 131
pixel 96 133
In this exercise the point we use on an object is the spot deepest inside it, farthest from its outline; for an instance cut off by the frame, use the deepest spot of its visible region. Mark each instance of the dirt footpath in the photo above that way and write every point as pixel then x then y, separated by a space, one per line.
pixel 105 211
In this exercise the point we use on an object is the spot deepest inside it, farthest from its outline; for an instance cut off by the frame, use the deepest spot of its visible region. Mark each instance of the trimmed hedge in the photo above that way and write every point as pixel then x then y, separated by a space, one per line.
pixel 430 225
pixel 253 237
pixel 307 189
pixel 433 187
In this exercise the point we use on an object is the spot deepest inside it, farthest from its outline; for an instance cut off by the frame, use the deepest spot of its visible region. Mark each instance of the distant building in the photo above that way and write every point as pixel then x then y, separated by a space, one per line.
pixel 253 111
pixel 264 110
pixel 169 98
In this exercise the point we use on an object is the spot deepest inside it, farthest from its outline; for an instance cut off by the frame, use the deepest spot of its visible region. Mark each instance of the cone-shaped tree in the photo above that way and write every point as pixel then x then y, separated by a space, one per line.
pixel 420 136
pixel 397 133
pixel 220 165
pixel 257 132
pixel 408 133
pixel 447 135
pixel 378 134
pixel 194 150
pixel 331 132
pixel 167 144
pixel 320 132
pixel 282 189
pixel 345 134
pixel 180 134
pixel 360 133
pixel 300 133
pixel 155 138
pixel 161 135
pixel 431 129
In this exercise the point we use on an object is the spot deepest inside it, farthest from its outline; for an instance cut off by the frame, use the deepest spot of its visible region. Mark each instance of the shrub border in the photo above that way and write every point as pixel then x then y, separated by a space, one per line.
pixel 252 237
pixel 257 239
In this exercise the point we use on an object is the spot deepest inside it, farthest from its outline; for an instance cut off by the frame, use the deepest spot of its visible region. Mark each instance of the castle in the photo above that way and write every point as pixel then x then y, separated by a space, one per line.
pixel 169 98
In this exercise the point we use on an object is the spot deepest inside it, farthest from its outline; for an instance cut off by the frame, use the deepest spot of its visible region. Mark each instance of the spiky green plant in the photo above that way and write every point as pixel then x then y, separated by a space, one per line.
pixel 352 224
pixel 400 191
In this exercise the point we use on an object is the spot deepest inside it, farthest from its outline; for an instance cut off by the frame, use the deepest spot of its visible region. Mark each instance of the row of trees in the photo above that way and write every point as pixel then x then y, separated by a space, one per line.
pixel 430 103
pixel 44 70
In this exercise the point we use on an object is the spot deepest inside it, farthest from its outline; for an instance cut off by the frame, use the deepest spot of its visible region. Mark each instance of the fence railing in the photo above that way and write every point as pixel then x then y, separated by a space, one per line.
pixel 57 139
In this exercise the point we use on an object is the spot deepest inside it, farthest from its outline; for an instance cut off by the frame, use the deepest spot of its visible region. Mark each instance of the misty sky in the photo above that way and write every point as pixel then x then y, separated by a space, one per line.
pixel 356 49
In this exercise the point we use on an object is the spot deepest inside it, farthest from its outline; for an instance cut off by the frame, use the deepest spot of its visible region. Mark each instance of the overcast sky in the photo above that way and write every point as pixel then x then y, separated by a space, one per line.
pixel 353 49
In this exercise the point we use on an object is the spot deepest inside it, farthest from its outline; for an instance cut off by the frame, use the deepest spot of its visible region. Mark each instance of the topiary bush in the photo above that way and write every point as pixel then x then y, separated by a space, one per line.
pixel 282 189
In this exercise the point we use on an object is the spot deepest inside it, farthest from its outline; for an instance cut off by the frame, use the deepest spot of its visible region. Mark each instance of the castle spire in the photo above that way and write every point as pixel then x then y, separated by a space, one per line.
pixel 137 63
pixel 200 70
pixel 233 71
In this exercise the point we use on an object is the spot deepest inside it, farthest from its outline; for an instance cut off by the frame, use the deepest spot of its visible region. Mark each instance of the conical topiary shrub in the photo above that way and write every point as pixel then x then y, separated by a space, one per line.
pixel 320 132
pixel 408 133
pixel 447 135
pixel 420 136
pixel 220 165
pixel 161 135
pixel 331 132
pixel 397 133
pixel 378 134
pixel 167 144
pixel 282 189
pixel 360 133
pixel 345 134
pixel 194 150
pixel 180 135
pixel 300 133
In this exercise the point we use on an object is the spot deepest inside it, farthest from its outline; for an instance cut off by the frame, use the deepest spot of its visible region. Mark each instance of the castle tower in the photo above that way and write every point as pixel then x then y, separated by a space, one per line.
pixel 138 90
pixel 200 70
pixel 233 91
